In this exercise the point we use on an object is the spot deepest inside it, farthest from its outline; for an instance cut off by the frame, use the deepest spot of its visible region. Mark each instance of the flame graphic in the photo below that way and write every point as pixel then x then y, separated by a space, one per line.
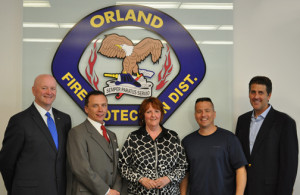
pixel 167 68
pixel 89 70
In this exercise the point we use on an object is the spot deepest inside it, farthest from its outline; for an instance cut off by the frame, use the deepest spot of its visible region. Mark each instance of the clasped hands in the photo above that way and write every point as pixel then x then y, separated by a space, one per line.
pixel 158 183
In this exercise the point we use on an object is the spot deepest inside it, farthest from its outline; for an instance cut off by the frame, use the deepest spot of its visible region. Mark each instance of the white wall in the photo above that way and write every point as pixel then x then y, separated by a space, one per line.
pixel 266 42
pixel 10 64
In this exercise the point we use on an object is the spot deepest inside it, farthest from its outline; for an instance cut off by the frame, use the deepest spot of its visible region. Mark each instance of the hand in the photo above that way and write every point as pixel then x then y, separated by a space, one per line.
pixel 147 183
pixel 113 192
pixel 162 182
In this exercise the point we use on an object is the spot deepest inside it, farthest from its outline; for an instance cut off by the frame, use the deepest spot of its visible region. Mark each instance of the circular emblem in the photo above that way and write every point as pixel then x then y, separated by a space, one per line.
pixel 77 76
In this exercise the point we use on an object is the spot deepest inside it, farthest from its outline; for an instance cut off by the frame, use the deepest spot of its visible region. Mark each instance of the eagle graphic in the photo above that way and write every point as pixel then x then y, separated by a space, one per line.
pixel 116 46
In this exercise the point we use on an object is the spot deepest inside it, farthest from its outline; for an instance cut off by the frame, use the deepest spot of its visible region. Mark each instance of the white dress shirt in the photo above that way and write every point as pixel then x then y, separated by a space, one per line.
pixel 43 112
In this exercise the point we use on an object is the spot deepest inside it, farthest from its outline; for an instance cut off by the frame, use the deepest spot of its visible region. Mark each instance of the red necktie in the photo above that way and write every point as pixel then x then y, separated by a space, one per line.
pixel 104 133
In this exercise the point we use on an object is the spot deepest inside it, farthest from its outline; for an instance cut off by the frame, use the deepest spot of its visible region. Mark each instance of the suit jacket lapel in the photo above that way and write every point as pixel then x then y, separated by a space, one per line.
pixel 42 126
pixel 101 141
pixel 246 142
pixel 263 131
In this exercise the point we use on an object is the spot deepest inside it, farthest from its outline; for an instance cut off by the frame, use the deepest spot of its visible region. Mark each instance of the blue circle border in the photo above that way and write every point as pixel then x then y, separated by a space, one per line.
pixel 190 58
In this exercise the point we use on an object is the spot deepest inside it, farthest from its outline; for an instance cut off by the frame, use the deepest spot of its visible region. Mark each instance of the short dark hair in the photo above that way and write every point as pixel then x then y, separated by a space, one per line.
pixel 261 80
pixel 95 92
pixel 155 103
pixel 205 99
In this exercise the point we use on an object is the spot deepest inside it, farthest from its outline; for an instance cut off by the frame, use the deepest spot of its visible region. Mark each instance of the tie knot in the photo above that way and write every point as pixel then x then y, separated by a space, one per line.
pixel 48 114
pixel 103 128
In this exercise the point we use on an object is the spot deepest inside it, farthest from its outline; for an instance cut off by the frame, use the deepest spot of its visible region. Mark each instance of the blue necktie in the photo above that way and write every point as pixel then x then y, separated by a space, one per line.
pixel 52 128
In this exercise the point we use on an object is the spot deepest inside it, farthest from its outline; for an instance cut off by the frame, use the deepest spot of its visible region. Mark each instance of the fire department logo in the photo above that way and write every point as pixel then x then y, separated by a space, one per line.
pixel 158 58
pixel 132 80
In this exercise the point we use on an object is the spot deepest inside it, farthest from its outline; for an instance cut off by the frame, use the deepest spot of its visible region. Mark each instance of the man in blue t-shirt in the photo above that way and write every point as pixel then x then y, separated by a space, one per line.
pixel 215 156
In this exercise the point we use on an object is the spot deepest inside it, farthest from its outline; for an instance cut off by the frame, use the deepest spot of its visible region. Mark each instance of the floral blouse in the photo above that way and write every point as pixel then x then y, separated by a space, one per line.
pixel 141 156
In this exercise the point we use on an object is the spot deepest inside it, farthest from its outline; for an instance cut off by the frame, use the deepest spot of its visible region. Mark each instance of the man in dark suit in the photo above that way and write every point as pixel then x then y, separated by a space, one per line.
pixel 269 140
pixel 32 161
pixel 93 151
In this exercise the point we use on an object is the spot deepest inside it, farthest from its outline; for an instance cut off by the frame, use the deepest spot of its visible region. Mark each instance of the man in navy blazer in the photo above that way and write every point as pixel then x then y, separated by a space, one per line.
pixel 30 162
pixel 269 140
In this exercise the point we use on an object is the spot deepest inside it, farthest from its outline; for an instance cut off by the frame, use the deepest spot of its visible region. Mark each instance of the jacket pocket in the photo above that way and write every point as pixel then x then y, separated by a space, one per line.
pixel 26 183
pixel 83 189
pixel 270 186
pixel 25 187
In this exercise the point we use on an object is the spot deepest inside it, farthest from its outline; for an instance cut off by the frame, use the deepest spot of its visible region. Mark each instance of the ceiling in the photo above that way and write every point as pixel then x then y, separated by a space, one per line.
pixel 49 21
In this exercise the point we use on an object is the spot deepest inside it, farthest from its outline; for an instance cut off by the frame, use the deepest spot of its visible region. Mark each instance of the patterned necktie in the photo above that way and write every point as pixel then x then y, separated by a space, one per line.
pixel 52 128
pixel 104 133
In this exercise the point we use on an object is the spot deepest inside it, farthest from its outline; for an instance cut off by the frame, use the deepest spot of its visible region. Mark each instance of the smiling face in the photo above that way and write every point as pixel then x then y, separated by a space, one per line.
pixel 205 114
pixel 152 117
pixel 259 98
pixel 44 91
pixel 96 108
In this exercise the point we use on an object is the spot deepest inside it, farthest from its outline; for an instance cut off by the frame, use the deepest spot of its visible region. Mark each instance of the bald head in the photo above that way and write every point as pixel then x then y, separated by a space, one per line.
pixel 44 90
pixel 42 77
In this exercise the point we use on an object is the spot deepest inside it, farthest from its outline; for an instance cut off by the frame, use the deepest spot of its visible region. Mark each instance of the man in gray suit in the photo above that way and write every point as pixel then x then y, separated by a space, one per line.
pixel 93 151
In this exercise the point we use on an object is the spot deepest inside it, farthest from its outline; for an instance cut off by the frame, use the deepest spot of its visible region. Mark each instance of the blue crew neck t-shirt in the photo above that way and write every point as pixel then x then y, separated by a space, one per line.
pixel 213 160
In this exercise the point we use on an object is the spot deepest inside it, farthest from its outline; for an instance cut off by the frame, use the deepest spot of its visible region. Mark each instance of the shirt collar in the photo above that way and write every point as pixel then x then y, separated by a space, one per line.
pixel 42 111
pixel 96 124
pixel 142 130
pixel 264 114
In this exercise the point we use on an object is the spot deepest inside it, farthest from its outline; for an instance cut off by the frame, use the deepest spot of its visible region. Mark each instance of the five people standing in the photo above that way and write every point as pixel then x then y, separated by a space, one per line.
pixel 210 161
